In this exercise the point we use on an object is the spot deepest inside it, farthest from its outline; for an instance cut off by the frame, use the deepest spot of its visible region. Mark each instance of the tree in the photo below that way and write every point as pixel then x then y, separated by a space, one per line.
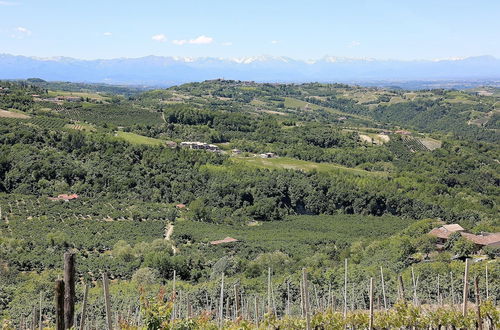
pixel 426 244
pixel 463 248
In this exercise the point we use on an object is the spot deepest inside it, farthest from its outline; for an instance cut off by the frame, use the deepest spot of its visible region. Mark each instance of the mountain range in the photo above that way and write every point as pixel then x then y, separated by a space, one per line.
pixel 164 71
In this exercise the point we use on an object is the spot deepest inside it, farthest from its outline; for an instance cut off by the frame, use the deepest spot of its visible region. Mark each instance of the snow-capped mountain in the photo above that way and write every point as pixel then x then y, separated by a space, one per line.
pixel 158 70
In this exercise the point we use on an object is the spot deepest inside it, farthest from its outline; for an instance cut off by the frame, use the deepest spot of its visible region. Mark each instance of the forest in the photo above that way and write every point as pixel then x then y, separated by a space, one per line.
pixel 356 173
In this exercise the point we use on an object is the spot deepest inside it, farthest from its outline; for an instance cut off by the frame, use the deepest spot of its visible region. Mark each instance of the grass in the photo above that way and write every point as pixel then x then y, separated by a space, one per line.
pixel 297 233
pixel 13 114
pixel 301 165
pixel 139 139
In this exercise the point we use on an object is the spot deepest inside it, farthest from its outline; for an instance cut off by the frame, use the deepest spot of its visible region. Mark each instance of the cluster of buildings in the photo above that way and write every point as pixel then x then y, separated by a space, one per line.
pixel 444 232
pixel 57 99
pixel 200 146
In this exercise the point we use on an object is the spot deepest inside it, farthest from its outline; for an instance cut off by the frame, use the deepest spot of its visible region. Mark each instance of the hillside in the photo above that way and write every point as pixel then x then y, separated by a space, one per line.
pixel 301 175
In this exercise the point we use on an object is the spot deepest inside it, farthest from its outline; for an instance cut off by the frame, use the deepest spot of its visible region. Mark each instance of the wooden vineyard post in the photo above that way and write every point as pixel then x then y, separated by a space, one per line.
pixel 345 288
pixel 33 318
pixel 221 304
pixel 288 297
pixel 69 290
pixel 107 301
pixel 59 298
pixel 256 311
pixel 269 306
pixel 40 312
pixel 371 304
pixel 189 307
pixel 414 281
pixel 487 285
pixel 438 291
pixel 383 287
pixel 452 289
pixel 306 299
pixel 478 304
pixel 237 301
pixel 84 307
pixel 174 298
pixel 466 288
pixel 301 298
pixel 401 288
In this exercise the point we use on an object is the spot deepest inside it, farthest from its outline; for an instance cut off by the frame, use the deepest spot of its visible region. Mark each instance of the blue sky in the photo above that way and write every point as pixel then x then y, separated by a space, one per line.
pixel 395 29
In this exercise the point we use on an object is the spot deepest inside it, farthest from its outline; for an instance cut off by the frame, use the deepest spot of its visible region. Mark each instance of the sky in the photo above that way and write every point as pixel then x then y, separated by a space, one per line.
pixel 382 29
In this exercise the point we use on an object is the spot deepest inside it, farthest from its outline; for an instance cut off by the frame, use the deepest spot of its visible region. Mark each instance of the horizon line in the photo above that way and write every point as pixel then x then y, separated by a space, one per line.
pixel 242 59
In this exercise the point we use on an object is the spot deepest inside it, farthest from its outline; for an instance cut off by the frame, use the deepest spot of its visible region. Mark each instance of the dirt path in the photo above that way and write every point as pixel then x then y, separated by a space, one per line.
pixel 169 229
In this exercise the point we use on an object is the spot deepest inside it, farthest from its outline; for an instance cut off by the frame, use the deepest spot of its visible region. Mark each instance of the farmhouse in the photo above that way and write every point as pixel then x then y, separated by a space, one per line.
pixel 181 206
pixel 225 240
pixel 483 239
pixel 444 232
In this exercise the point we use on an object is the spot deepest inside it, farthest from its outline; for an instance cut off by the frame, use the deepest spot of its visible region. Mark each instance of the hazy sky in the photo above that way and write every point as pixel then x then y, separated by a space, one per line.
pixel 396 29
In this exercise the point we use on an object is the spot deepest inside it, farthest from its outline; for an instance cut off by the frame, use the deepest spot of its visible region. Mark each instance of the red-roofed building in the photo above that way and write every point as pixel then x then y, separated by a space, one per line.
pixel 484 239
pixel 443 233
pixel 180 206
pixel 225 240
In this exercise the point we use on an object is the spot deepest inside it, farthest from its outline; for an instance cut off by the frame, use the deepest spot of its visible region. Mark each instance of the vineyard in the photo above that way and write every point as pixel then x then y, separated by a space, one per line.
pixel 40 121
pixel 293 302
pixel 106 114
pixel 414 144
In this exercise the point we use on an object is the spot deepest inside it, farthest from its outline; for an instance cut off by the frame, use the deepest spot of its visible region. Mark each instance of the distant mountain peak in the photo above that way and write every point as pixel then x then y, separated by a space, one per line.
pixel 168 70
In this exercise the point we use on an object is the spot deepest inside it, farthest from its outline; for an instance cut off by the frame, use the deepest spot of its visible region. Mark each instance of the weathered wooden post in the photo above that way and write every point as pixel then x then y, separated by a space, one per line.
pixel 438 291
pixel 107 301
pixel 370 326
pixel 478 304
pixel 306 299
pixel 174 298
pixel 452 289
pixel 401 288
pixel 84 307
pixel 345 288
pixel 33 318
pixel 288 297
pixel 237 302
pixel 189 308
pixel 414 281
pixel 256 311
pixel 269 306
pixel 302 309
pixel 487 285
pixel 383 287
pixel 59 298
pixel 40 312
pixel 221 304
pixel 69 290
pixel 466 288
